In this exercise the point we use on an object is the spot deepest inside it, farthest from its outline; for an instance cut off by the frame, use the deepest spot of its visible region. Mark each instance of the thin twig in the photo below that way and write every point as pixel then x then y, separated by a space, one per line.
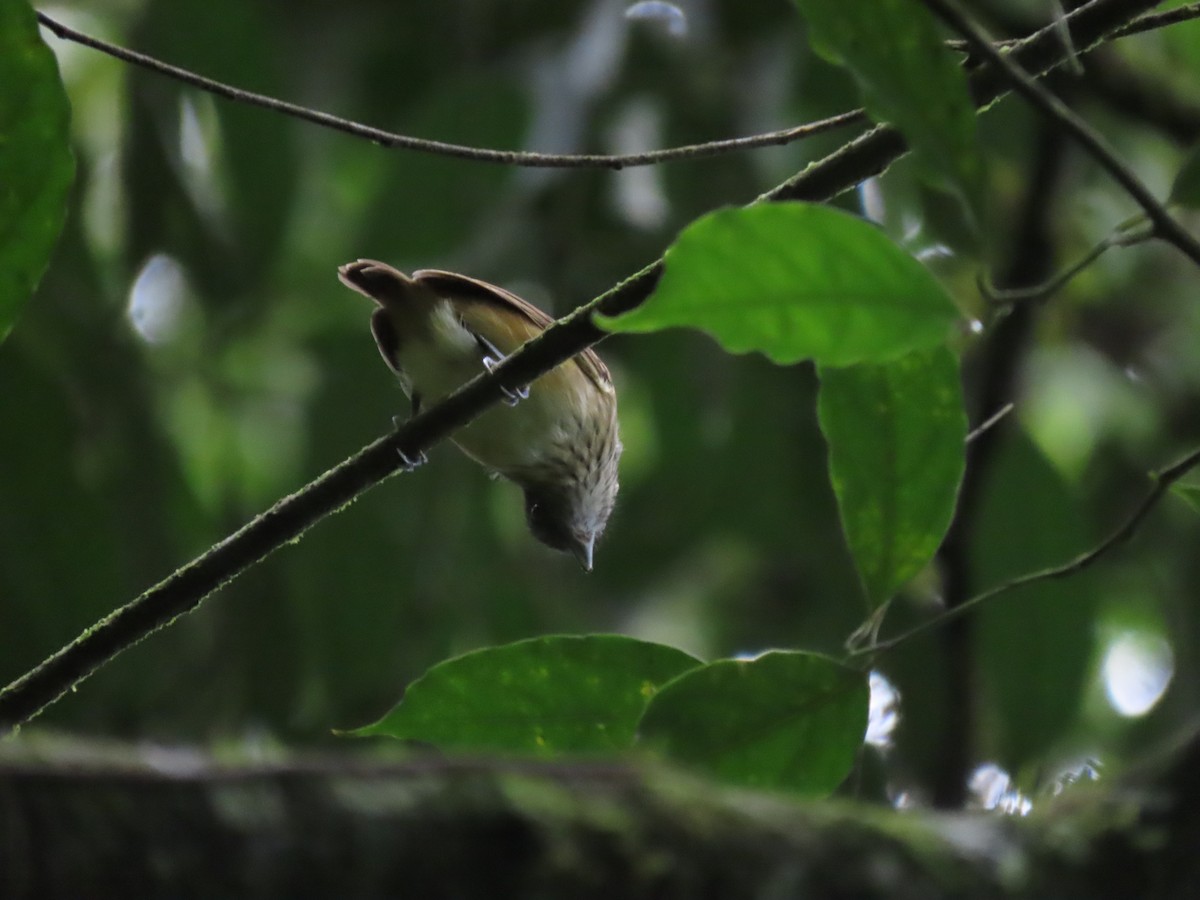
pixel 1164 223
pixel 989 423
pixel 1140 25
pixel 1126 530
pixel 391 139
pixel 514 157
pixel 1039 292
pixel 183 590
pixel 1129 233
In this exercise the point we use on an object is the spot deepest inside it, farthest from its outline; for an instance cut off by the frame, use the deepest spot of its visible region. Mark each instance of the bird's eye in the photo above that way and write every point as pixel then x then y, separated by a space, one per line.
pixel 546 520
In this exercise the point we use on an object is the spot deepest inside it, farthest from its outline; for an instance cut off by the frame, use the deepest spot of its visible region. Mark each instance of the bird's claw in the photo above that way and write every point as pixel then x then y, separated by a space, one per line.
pixel 407 461
pixel 512 396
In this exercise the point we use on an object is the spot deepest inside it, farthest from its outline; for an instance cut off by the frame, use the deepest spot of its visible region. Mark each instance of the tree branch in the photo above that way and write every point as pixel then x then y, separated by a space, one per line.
pixel 391 139
pixel 1140 25
pixel 515 157
pixel 1164 223
pixel 289 518
pixel 156 822
pixel 1153 21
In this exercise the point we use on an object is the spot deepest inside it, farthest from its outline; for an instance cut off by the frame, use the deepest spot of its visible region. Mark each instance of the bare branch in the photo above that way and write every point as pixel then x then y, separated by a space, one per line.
pixel 1140 25
pixel 1165 225
pixel 990 422
pixel 391 139
pixel 525 159
pixel 1039 292
pixel 1153 21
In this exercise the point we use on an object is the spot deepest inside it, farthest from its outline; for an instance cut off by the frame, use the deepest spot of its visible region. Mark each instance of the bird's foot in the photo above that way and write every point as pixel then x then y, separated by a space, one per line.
pixel 511 396
pixel 408 461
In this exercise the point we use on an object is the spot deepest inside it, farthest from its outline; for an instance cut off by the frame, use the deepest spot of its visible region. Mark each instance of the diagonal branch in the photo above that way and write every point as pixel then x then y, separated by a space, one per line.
pixel 1165 225
pixel 183 590
pixel 1140 25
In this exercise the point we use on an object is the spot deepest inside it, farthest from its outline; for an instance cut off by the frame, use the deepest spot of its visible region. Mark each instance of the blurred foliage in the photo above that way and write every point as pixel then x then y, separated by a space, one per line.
pixel 910 79
pixel 190 357
pixel 35 157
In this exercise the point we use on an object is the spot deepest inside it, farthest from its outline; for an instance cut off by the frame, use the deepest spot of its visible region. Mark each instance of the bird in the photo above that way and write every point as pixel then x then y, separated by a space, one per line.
pixel 557 438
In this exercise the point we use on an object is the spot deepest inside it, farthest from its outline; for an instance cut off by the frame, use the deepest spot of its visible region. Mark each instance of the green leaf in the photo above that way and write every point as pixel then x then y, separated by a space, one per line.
pixel 896 436
pixel 543 696
pixel 1186 189
pixel 908 78
pixel 35 158
pixel 1188 493
pixel 796 281
pixel 784 720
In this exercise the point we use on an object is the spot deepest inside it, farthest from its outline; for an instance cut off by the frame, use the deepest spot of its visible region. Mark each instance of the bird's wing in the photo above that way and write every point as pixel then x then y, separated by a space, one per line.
pixel 378 281
pixel 479 299
pixel 399 310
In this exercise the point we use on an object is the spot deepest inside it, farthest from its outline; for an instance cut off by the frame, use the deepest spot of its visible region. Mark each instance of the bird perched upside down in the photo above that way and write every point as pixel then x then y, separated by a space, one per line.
pixel 557 438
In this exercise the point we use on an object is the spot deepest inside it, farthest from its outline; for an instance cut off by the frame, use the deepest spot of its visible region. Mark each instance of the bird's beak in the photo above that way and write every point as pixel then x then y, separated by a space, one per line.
pixel 583 552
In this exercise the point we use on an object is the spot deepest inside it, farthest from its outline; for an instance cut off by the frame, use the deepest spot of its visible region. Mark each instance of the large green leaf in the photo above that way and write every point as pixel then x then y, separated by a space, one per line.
pixel 35 157
pixel 796 281
pixel 910 79
pixel 784 721
pixel 896 437
pixel 546 695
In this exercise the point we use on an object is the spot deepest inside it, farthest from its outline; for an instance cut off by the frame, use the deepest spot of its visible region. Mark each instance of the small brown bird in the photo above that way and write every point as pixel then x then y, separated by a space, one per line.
pixel 557 438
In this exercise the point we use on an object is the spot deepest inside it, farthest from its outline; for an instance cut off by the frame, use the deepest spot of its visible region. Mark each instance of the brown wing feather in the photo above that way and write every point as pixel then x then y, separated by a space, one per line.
pixel 379 281
pixel 387 339
pixel 472 289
